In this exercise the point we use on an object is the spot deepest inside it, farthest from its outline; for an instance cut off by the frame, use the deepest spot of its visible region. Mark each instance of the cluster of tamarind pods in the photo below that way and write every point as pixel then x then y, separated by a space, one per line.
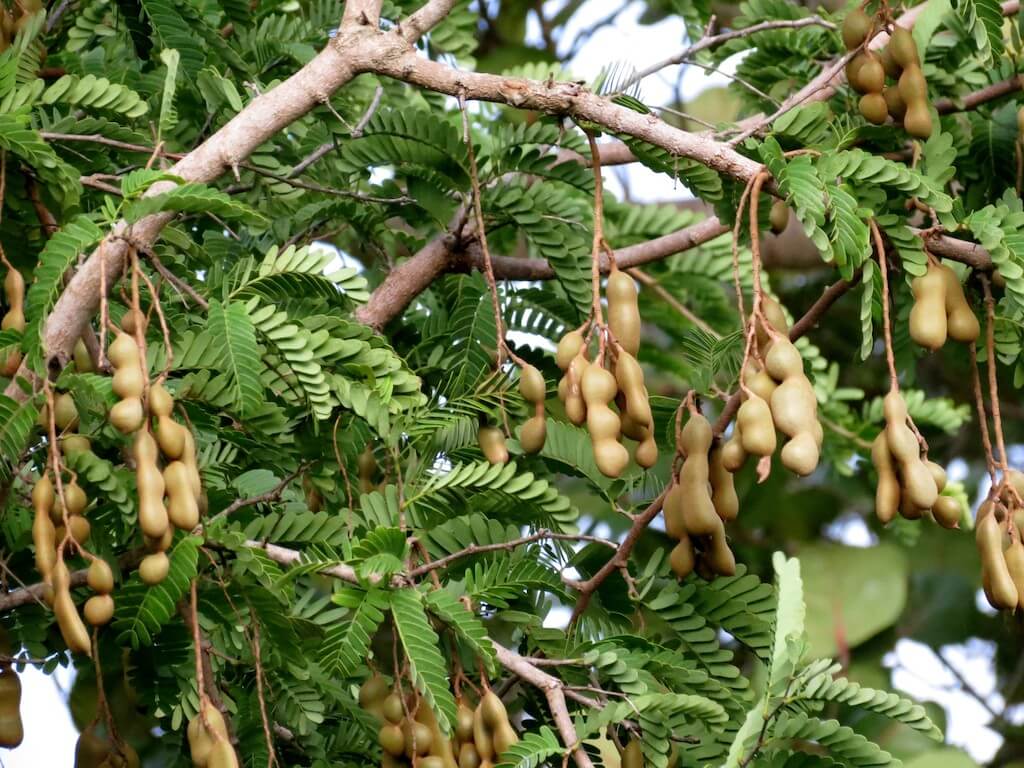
pixel 12 730
pixel 96 749
pixel 998 532
pixel 208 739
pixel 906 99
pixel 410 734
pixel 13 319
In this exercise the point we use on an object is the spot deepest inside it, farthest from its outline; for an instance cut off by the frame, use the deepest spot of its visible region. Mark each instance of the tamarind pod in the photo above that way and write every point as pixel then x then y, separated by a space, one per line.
pixel 532 385
pixel 74 443
pixel 468 756
pixel 902 442
pixel 482 737
pixel 632 755
pixel 170 436
pixel 505 737
pixel 697 436
pixel 758 381
pixel 672 511
pixel 100 577
pixel 874 108
pixel 42 494
pixel 11 728
pixel 646 453
pixel 161 402
pixel 159 543
pixel 894 102
pixel 699 515
pixel 918 120
pixel 623 310
pixel 800 454
pixel 938 474
pixel 128 382
pixel 913 87
pixel 533 433
pixel 630 428
pixel 576 410
pixel 373 691
pixel 723 487
pixel 99 610
pixel 682 559
pixel 855 29
pixel 75 635
pixel 65 414
pixel 569 346
pixel 127 415
pixel 464 722
pixel 1014 557
pixel 492 709
pixel 222 755
pixel 961 322
pixel 598 386
pixel 734 455
pixel 719 556
pixel 75 500
pixel 123 352
pixel 918 484
pixel 492 444
pixel 391 739
pixel 870 76
pixel 188 456
pixel 903 47
pixel 778 217
pixel 441 748
pixel 44 537
pixel 947 512
pixel 783 360
pixel 610 456
pixel 772 311
pixel 154 568
pixel 630 379
pixel 153 518
pixel 79 528
pixel 887 492
pixel 794 406
pixel 757 430
pixel 200 739
pixel 14 319
pixel 182 510
pixel 928 315
pixel 83 360
pixel 990 547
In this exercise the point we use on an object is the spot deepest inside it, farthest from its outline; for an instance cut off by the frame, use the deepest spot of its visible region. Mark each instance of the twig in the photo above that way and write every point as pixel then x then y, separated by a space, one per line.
pixel 890 358
pixel 271 753
pixel 272 495
pixel 979 404
pixel 595 255
pixel 173 279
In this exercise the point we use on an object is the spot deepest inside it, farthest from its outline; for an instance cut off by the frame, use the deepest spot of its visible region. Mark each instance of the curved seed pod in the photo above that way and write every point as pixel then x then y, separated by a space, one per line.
pixel 990 546
pixel 75 635
pixel 699 515
pixel 718 556
pixel 646 453
pixel 83 360
pixel 682 559
pixel 482 736
pixel 734 455
pixel 894 102
pixel 441 751
pixel 373 692
pixel 938 474
pixel 853 71
pixel 468 756
pixel 757 430
pixel 919 486
pixel 127 415
pixel 758 381
pixel 630 379
pixel 170 436
pixel 492 444
pixel 189 459
pixel 598 388
pixel 723 488
pixel 575 406
pixel 778 217
pixel 393 708
pixel 632 755
pixel 961 322
pixel 391 739
pixel 672 510
pixel 464 722
pixel 887 492
pixel 531 385
pixel 928 315
pixel 505 737
pixel 153 568
pixel 871 74
pixel 182 510
pixel 71 444
pixel 947 512
pixel 856 28
pixel 161 402
pixel 1014 557
pixel 918 120
pixel 79 528
pixel 65 414
pixel 128 381
pixel 623 310
pixel 75 500
pixel 569 346
pixel 492 709
pixel 222 755
pixel 44 535
pixel 533 434
pixel 12 731
pixel 100 577
pixel 99 610
pixel 772 311
pixel 903 47
pixel 874 107
pixel 913 87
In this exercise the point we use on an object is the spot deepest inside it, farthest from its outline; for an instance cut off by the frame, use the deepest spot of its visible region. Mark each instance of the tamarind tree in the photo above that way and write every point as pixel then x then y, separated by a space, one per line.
pixel 348 420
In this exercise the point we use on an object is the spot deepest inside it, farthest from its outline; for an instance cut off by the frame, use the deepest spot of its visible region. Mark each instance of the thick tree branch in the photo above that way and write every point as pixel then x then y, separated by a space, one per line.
pixel 981 96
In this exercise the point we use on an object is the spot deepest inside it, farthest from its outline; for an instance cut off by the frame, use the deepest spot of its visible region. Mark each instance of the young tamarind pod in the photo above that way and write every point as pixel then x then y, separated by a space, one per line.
pixel 918 120
pixel 913 87
pixel 127 415
pixel 598 389
pixel 928 315
pixel 699 513
pixel 532 385
pixel 75 635
pixel 778 217
pixel 100 577
pixel 79 528
pixel 672 511
pixel 718 555
pixel 903 48
pixel 646 453
pixel 75 499
pixel 682 559
pixel 734 455
pixel 887 492
pixel 203 735
pixel 757 430
pixel 894 102
pixel 533 434
pixel 630 379
pixel 989 535
pixel 14 319
pixel 947 512
pixel 723 487
pixel 569 346
pixel 367 466
pixel 919 489
pixel 99 610
pixel 170 435
pixel 432 761
pixel 153 568
pixel 441 751
pixel 393 708
pixel 222 755
pixel 126 358
pixel 870 76
pixel 623 310
pixel 505 737
pixel 65 414
pixel 874 108
pixel 372 694
pixel 492 443
pixel 629 428
pixel 632 755
pixel 182 509
pixel 794 407
pixel 83 360
pixel 11 728
pixel 1014 557
pixel 492 709
pixel 44 535
pixel 391 739
pixel 961 322
pixel 856 27
pixel 853 71
pixel 73 443
pixel 464 722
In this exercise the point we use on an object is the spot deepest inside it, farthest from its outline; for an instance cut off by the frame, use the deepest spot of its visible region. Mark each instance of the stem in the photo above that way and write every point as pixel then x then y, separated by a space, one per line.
pixel 890 357
pixel 595 256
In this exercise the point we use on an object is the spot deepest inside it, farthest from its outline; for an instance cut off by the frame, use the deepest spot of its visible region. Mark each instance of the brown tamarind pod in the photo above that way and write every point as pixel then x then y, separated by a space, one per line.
pixel 632 755
pixel 918 120
pixel 482 736
pixel 887 492
pixel 1014 557
pixel 182 509
pixel 856 27
pixel 699 515
pixel 623 310
pixel 757 430
pixel 758 381
pixel 153 518
pixel 990 547
pixel 919 489
pixel 853 71
pixel 903 47
pixel 723 487
pixel 570 345
pixel 681 559
pixel 492 709
pixel 874 108
pixel 928 315
pixel 961 322
pixel 79 528
pixel 598 389
pixel 505 737
pixel 894 102
pixel 75 635
pixel 464 722
pixel 154 568
pixel 778 217
pixel 99 610
pixel 533 434
pixel 672 510
pixel 127 415
pixel 646 453
pixel 892 69
pixel 13 319
pixel 441 750
pixel 492 444
pixel 11 728
pixel 575 404
pixel 170 436
pixel 65 414
pixel 83 360
pixel 772 312
pixel 870 75
pixel 372 694
pixel 718 555
pixel 946 511
pixel 734 455
pixel 391 739
pixel 531 385
pixel 71 444
pixel 630 379
pixel 393 708
pixel 222 755
pixel 468 756
pixel 938 474
pixel 100 577
pixel 203 736
pixel 44 535
pixel 913 87
pixel 75 500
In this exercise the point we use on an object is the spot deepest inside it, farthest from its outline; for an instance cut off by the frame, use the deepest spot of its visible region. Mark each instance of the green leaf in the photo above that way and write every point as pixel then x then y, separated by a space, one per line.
pixel 191 198
pixel 168 114
pixel 790 640
pixel 533 750
pixel 984 19
pixel 466 624
pixel 16 423
pixel 426 664
pixel 347 645
pixel 231 324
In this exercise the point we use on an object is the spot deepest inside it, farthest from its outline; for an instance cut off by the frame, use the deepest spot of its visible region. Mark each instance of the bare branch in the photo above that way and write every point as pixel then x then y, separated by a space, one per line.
pixel 425 19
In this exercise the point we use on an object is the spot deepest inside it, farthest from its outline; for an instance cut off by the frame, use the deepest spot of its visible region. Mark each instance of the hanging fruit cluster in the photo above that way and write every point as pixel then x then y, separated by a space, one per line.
pixel 13 319
pixel 699 503
pixel 11 728
pixel 208 739
pixel 906 98
pixel 534 390
pixel 776 395
pixel 941 310
pixel 588 389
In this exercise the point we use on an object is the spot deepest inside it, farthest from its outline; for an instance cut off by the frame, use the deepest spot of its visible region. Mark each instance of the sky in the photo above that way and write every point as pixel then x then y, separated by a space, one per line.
pixel 49 733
